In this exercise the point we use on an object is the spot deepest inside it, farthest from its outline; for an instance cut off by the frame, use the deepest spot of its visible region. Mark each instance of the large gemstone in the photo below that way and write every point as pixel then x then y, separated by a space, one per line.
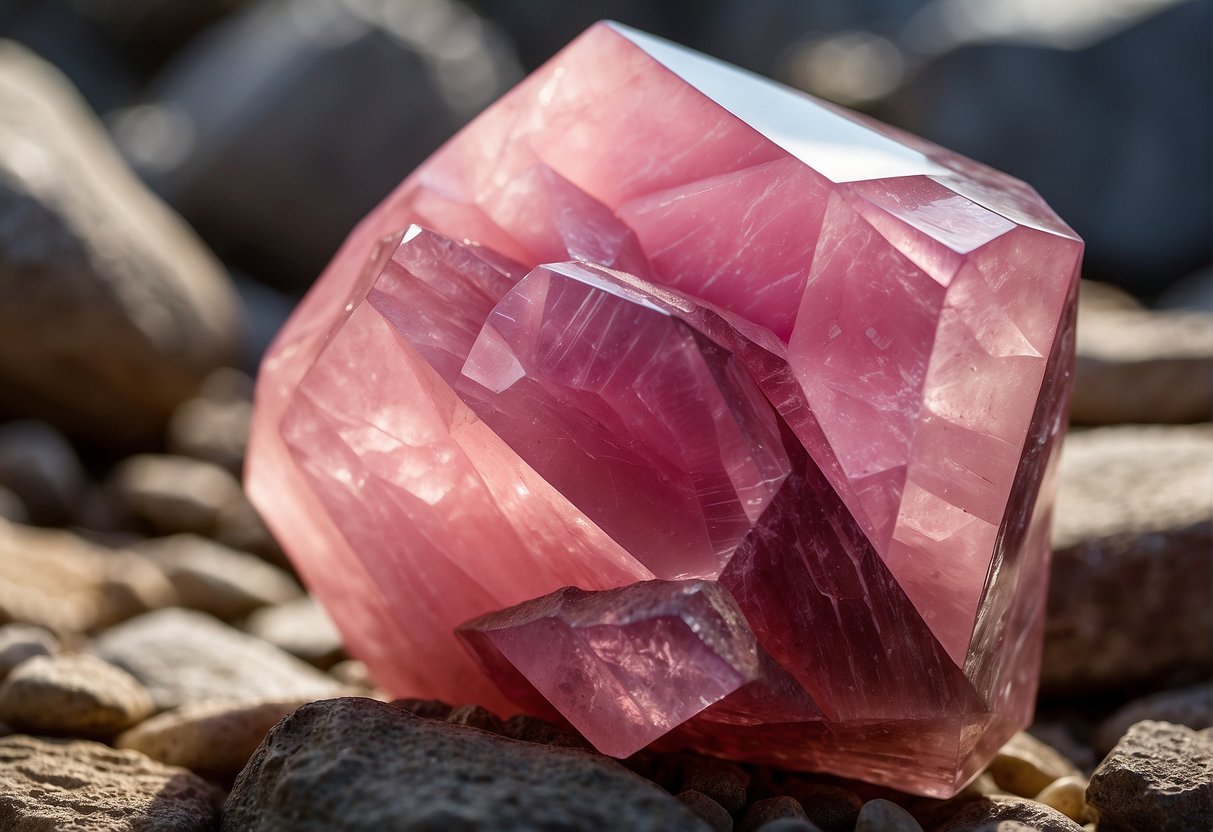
pixel 693 410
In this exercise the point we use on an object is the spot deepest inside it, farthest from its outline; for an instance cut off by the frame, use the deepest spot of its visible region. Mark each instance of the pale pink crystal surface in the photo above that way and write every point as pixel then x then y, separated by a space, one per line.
pixel 776 388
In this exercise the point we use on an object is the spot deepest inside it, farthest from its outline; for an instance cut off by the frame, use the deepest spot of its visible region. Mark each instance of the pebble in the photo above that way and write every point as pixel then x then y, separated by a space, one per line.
pixel 762 812
pixel 84 786
pixel 57 580
pixel 40 466
pixel 529 728
pixel 722 781
pixel 227 583
pixel 881 815
pixel 183 656
pixel 74 694
pixel 302 628
pixel 1136 365
pixel 474 716
pixel 174 494
pixel 1066 795
pixel 19 642
pixel 1158 777
pixel 1130 585
pixel 214 738
pixel 707 810
pixel 358 764
pixel 831 808
pixel 1025 766
pixel 12 507
pixel 131 311
pixel 424 708
pixel 214 426
pixel 1190 706
pixel 997 814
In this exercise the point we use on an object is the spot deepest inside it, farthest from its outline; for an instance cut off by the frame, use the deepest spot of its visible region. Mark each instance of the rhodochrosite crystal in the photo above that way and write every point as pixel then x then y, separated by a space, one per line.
pixel 689 409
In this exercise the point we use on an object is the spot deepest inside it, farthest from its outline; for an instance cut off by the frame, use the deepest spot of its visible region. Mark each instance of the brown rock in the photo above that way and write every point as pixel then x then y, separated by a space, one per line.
pixel 1137 365
pixel 358 764
pixel 227 583
pixel 997 814
pixel 60 581
pixel 214 738
pixel 1190 706
pixel 1130 586
pixel 87 787
pixel 1068 796
pixel 214 426
pixel 174 493
pixel 19 642
pixel 182 656
pixel 111 310
pixel 78 695
pixel 302 628
pixel 475 716
pixel 1025 765
pixel 1158 777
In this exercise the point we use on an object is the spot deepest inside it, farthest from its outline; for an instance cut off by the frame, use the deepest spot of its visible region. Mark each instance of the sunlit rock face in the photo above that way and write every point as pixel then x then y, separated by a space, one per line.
pixel 693 410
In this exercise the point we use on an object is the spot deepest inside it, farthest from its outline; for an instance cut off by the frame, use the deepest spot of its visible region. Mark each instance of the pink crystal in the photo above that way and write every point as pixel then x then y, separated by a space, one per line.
pixel 652 317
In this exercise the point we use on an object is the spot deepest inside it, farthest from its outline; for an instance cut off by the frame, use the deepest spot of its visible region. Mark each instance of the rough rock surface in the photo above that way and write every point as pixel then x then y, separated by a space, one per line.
pixel 74 694
pixel 1135 365
pixel 1158 777
pixel 182 656
pixel 358 764
pixel 997 814
pixel 1130 586
pixel 214 738
pixel 82 786
pixel 113 312
pixel 213 578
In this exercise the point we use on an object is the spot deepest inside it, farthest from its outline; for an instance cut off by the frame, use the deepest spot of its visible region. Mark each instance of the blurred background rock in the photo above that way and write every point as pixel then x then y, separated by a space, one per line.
pixel 175 173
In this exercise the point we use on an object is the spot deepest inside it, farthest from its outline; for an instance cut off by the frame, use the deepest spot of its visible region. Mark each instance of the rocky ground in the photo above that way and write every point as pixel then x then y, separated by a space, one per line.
pixel 162 669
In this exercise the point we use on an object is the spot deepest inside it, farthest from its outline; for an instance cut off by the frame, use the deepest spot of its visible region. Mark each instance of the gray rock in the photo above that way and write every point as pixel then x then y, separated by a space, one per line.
pixel 215 738
pixel 12 507
pixel 302 628
pixel 212 578
pixel 264 115
pixel 724 782
pixel 112 311
pixel 762 812
pixel 1191 706
pixel 40 466
pixel 1136 365
pixel 174 493
pixel 831 808
pixel 707 810
pixel 19 642
pixel 88 787
pixel 1130 586
pixel 77 695
pixel 57 580
pixel 358 764
pixel 885 816
pixel 1158 777
pixel 997 814
pixel 182 656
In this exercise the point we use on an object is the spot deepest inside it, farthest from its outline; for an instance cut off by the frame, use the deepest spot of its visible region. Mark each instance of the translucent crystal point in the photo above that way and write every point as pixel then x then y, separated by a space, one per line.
pixel 648 317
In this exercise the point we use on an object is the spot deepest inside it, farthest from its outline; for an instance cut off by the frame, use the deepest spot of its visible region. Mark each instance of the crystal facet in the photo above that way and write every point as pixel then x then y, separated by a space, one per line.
pixel 693 410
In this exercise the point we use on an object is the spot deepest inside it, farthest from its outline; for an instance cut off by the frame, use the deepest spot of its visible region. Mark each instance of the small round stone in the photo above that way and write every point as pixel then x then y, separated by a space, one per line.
pixel 772 808
pixel 885 816
pixel 1067 795
pixel 724 782
pixel 19 642
pixel 72 694
pixel 475 716
pixel 708 810
pixel 1025 765
pixel 830 808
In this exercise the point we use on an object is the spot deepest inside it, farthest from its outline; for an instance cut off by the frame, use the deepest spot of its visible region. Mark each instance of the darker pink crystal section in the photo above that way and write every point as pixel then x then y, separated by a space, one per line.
pixel 700 411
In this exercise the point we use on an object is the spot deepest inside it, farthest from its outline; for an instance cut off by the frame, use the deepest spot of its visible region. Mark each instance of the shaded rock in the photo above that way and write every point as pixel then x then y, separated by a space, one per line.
pixel 19 642
pixel 224 582
pixel 174 493
pixel 424 708
pixel 263 115
pixel 830 808
pixel 763 812
pixel 60 581
pixel 533 729
pixel 1025 765
pixel 722 781
pixel 40 466
pixel 708 810
pixel 80 695
pixel 1190 706
pixel 182 656
pixel 141 312
pixel 153 29
pixel 996 814
pixel 214 426
pixel 885 816
pixel 215 738
pixel 353 674
pixel 85 786
pixel 1158 777
pixel 302 628
pixel 358 764
pixel 12 508
pixel 1136 365
pixel 1130 586
pixel 474 716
